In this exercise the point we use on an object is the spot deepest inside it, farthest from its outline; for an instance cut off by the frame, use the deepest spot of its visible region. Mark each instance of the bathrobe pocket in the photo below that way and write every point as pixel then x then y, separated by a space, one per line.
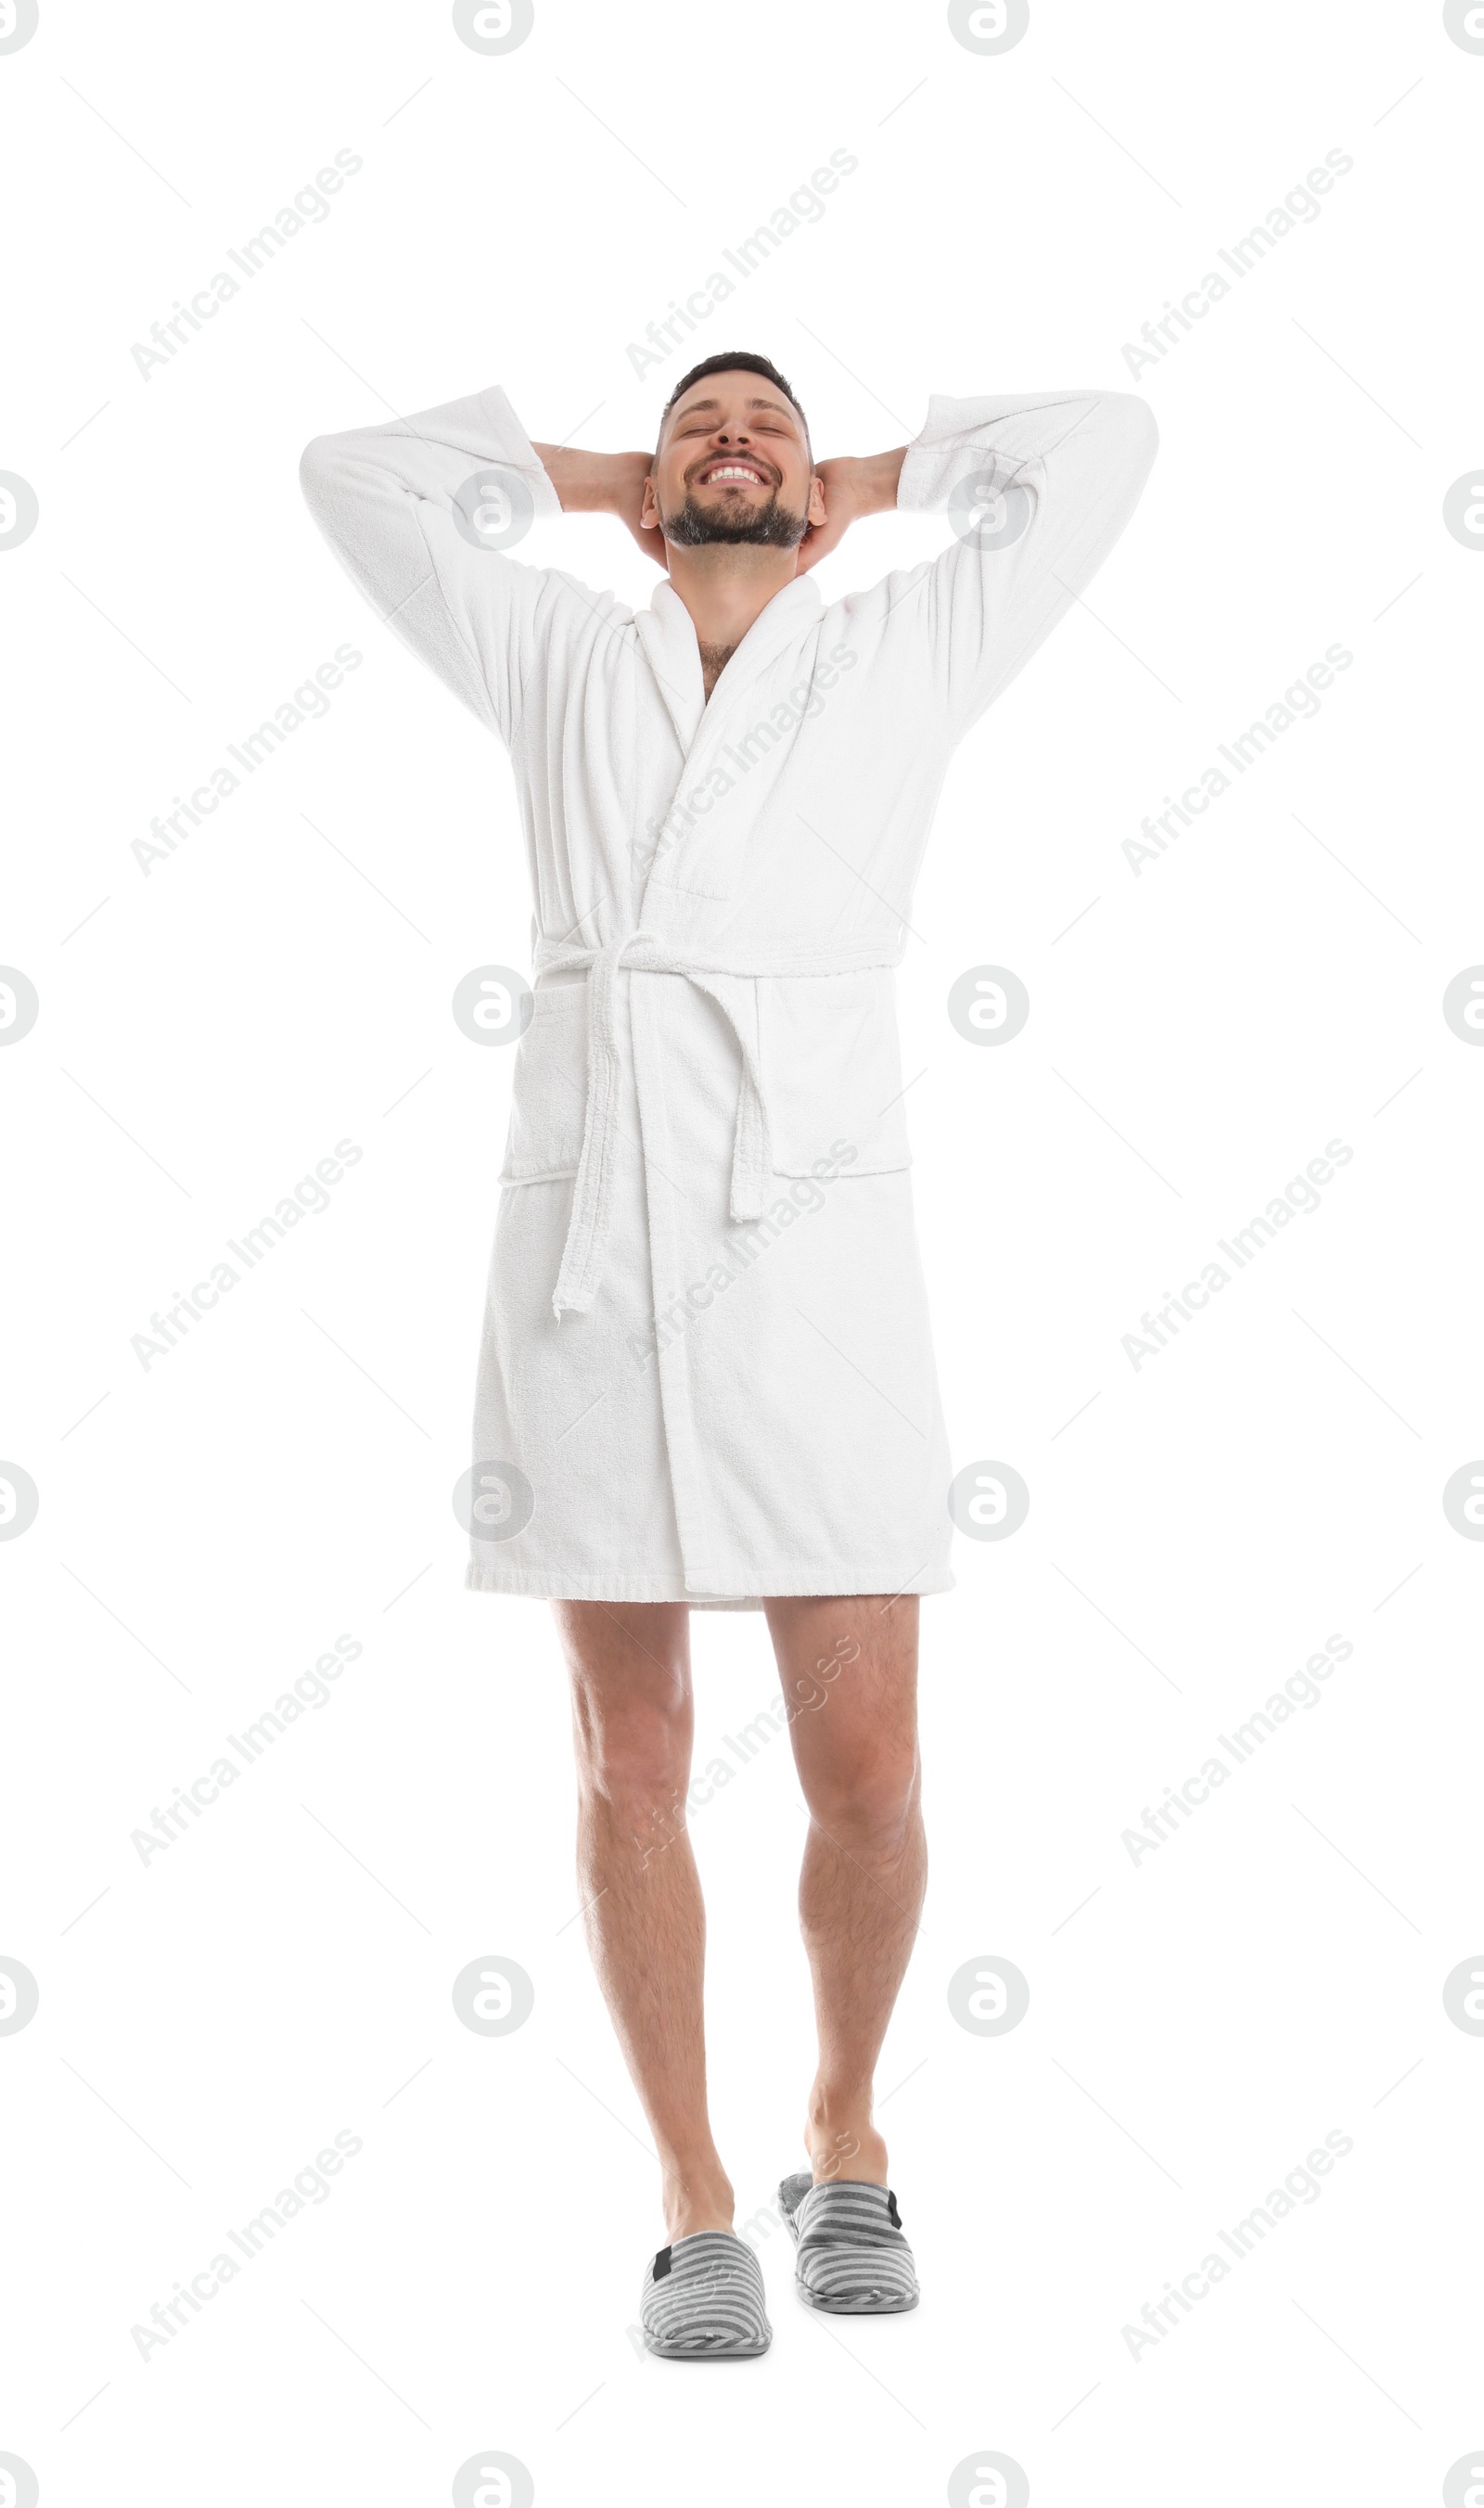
pixel 832 1073
pixel 548 1099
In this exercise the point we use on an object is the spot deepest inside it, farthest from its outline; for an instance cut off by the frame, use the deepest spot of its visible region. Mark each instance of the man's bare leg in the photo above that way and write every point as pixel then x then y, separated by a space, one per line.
pixel 632 1722
pixel 849 1667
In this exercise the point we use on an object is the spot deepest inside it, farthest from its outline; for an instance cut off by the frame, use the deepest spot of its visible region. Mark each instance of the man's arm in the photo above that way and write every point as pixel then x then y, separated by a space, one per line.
pixel 383 497
pixel 1038 487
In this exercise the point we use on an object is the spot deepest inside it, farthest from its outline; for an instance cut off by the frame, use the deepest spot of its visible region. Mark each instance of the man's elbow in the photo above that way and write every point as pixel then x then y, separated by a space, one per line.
pixel 1135 426
pixel 317 470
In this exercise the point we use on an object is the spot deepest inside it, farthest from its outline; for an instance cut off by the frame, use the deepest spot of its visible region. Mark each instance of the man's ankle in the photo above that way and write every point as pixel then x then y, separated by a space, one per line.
pixel 843 2143
pixel 696 2200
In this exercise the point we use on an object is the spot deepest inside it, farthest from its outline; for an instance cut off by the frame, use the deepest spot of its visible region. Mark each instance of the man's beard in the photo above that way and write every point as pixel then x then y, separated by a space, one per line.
pixel 698 526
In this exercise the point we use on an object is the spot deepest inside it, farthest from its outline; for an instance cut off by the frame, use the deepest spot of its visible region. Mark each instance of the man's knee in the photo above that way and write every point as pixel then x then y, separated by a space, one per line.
pixel 867 1803
pixel 633 1752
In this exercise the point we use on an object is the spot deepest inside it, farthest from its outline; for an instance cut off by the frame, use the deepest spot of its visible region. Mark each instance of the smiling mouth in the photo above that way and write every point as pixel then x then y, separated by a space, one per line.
pixel 733 474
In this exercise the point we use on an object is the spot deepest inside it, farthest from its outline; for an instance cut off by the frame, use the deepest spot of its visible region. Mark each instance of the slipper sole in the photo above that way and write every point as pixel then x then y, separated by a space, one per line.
pixel 855 2306
pixel 750 2351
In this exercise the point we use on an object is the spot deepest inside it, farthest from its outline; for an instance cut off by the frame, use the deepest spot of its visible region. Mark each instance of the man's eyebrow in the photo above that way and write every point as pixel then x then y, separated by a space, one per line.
pixel 759 400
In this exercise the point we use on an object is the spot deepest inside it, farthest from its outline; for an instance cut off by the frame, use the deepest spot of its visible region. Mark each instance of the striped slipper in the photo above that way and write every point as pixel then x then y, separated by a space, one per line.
pixel 853 2260
pixel 702 2299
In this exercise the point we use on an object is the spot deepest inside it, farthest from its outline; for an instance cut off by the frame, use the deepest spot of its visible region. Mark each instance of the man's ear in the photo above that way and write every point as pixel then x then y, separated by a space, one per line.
pixel 649 508
pixel 817 510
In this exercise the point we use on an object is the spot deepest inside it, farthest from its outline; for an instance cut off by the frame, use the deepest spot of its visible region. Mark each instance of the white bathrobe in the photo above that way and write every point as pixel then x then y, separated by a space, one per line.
pixel 706 1372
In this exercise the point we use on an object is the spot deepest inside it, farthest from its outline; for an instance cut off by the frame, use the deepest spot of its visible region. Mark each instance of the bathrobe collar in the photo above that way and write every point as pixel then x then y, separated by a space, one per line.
pixel 667 633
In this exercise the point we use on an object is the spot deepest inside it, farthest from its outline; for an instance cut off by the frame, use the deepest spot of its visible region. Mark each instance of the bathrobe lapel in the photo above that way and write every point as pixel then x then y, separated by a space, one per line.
pixel 669 642
pixel 668 637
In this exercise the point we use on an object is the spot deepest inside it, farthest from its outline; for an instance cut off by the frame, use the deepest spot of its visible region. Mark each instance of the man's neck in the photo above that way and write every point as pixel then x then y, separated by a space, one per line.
pixel 726 587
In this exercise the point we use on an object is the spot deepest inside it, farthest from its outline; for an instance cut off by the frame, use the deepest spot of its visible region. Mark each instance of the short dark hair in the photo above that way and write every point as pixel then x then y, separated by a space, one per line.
pixel 735 361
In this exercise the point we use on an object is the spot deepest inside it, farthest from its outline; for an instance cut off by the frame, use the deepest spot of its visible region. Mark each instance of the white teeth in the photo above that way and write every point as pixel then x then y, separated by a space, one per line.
pixel 732 471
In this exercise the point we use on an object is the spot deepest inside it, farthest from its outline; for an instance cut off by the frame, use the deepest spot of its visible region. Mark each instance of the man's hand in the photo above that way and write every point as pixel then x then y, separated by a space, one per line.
pixel 614 483
pixel 853 486
pixel 603 483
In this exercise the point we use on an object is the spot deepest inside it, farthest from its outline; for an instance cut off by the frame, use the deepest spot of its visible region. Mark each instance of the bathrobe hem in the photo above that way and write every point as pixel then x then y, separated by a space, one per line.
pixel 555 1587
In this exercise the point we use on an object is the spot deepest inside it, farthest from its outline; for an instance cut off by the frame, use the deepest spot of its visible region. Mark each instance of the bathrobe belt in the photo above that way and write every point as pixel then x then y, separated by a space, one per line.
pixel 582 1256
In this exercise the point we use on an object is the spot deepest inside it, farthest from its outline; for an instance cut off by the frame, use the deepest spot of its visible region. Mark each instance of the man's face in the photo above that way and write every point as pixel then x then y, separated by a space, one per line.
pixel 734 467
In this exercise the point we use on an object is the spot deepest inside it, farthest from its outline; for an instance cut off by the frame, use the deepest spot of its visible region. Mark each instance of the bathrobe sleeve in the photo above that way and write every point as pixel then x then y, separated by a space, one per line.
pixel 384 498
pixel 1072 468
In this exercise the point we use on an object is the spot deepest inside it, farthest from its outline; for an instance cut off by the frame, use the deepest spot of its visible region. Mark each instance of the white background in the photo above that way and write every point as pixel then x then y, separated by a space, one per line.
pixel 1198 1527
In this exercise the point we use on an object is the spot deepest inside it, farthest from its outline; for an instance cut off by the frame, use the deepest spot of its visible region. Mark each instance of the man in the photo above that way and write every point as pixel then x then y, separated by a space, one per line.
pixel 706 1377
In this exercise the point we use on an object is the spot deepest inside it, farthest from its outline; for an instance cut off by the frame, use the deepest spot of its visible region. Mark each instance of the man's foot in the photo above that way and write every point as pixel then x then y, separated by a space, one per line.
pixel 702 2299
pixel 853 2260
